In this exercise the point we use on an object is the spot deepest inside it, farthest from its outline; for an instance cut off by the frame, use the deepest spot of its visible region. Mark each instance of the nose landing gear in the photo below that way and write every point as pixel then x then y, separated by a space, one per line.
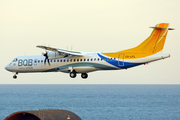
pixel 15 76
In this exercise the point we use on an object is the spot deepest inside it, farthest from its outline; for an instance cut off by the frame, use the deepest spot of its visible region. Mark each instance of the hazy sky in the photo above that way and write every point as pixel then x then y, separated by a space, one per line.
pixel 88 26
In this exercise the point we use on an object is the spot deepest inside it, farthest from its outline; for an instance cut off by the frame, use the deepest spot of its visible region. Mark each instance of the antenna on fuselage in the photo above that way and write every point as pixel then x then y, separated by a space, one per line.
pixel 71 47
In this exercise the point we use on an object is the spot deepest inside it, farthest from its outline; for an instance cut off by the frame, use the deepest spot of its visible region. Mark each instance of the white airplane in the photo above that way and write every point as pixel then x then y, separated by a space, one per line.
pixel 82 63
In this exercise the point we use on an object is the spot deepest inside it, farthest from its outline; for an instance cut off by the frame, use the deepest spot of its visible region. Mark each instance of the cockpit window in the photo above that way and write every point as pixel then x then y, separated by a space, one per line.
pixel 15 60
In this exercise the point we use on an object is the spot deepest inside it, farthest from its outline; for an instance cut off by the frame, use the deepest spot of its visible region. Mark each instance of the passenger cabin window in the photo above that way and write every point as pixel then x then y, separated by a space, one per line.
pixel 71 60
pixel 77 60
pixel 67 60
pixel 64 60
pixel 87 59
pixel 98 59
pixel 41 61
pixel 84 59
pixel 74 60
pixel 94 59
pixel 57 60
pixel 54 60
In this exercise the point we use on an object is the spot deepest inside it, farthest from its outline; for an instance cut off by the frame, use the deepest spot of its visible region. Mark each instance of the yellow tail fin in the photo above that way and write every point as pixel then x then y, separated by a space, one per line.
pixel 153 44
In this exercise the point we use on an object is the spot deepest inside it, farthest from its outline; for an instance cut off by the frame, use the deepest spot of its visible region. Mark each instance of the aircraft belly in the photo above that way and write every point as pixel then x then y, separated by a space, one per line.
pixel 83 67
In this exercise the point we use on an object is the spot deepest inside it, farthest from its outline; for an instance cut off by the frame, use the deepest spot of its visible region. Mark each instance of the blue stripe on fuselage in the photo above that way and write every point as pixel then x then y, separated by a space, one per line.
pixel 117 62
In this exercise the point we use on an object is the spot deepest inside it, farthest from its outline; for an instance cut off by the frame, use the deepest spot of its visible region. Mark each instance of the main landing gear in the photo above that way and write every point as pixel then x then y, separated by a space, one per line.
pixel 15 76
pixel 84 75
pixel 73 75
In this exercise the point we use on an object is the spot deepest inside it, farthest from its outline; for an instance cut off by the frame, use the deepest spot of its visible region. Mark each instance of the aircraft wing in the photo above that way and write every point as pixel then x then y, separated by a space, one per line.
pixel 60 51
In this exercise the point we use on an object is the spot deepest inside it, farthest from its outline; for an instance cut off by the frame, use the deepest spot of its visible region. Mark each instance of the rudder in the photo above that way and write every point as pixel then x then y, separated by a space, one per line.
pixel 155 42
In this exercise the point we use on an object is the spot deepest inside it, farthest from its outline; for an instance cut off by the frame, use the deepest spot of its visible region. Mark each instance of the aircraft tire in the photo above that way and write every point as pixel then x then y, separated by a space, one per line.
pixel 14 76
pixel 72 74
pixel 84 75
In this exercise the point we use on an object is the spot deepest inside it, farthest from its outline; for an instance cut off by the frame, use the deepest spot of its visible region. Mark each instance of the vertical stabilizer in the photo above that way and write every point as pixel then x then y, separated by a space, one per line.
pixel 155 42
pixel 152 45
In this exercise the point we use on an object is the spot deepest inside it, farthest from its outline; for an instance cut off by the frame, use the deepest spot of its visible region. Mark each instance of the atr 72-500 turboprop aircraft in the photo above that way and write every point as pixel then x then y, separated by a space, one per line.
pixel 80 62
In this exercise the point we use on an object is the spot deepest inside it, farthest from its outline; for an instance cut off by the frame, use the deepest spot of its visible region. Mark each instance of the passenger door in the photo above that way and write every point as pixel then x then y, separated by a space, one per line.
pixel 121 59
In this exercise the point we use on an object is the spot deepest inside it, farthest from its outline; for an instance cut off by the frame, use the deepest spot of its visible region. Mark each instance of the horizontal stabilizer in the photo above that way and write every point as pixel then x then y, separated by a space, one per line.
pixel 171 29
pixel 158 28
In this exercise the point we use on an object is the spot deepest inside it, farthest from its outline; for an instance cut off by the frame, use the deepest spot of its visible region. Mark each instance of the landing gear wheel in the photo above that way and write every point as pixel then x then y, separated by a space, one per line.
pixel 14 76
pixel 84 75
pixel 72 74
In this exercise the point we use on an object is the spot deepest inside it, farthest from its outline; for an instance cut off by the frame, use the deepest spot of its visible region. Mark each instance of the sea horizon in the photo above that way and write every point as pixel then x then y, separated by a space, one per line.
pixel 95 101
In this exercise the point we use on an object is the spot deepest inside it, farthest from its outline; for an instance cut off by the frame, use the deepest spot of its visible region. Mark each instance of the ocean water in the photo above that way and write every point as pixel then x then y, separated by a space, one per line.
pixel 95 102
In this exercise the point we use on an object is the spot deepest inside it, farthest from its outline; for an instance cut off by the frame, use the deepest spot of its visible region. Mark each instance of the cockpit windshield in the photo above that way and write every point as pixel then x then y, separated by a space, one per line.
pixel 14 60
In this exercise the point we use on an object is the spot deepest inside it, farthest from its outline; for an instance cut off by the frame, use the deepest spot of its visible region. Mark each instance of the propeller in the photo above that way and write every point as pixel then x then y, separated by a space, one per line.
pixel 45 50
pixel 45 54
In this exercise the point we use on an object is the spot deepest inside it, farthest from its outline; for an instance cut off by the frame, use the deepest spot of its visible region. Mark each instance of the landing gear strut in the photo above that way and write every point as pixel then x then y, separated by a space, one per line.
pixel 72 74
pixel 15 76
pixel 84 75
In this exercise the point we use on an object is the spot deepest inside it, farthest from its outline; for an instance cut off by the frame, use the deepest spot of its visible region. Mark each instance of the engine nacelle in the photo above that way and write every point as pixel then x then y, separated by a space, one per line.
pixel 54 55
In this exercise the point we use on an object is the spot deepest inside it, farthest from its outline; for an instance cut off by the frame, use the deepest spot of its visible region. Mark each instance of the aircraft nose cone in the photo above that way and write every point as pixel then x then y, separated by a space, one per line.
pixel 7 67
